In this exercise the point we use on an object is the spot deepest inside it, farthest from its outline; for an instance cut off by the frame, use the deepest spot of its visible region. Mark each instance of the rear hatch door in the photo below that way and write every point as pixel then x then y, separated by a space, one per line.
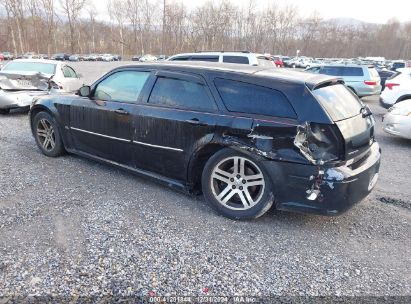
pixel 352 117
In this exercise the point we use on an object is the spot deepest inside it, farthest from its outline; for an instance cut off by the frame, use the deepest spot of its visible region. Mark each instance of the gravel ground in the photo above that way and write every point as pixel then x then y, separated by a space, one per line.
pixel 72 227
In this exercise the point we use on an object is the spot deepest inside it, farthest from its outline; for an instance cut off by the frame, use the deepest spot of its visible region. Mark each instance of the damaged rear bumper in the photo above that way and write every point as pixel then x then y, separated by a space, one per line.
pixel 339 187
pixel 19 99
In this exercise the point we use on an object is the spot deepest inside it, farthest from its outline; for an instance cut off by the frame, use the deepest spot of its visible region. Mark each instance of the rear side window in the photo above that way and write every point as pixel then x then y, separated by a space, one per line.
pixel 236 59
pixel 353 71
pixel 338 101
pixel 253 99
pixel 177 93
pixel 330 70
pixel 205 58
pixel 180 58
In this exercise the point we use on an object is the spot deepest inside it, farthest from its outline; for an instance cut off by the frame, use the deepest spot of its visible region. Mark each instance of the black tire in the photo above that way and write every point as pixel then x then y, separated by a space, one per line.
pixel 39 132
pixel 4 111
pixel 236 208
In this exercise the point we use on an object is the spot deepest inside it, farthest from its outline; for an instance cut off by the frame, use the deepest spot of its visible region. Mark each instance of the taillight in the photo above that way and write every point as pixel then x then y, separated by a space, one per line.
pixel 391 85
pixel 370 82
pixel 320 143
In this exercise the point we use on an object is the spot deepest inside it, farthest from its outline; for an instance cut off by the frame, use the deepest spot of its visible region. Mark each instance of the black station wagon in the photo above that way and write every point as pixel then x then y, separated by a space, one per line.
pixel 246 137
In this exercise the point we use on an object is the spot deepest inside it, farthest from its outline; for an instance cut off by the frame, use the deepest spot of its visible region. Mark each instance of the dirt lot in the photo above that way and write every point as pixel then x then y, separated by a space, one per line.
pixel 73 227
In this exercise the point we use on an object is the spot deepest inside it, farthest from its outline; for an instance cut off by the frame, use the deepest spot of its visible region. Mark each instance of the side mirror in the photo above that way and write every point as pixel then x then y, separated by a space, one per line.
pixel 84 91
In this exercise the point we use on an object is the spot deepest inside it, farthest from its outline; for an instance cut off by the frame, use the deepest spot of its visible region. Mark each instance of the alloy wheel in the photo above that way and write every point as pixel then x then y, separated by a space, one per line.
pixel 237 183
pixel 46 135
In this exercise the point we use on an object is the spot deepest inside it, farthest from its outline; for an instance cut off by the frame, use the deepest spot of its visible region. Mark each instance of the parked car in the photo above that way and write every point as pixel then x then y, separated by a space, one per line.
pixel 148 57
pixel 278 61
pixel 60 56
pixel 117 57
pixel 43 56
pixel 162 57
pixel 398 65
pixel 21 80
pixel 90 57
pixel 74 57
pixel 7 55
pixel 362 80
pixel 241 57
pixel 30 55
pixel 107 57
pixel 398 120
pixel 397 88
pixel 248 137
pixel 384 75
pixel 136 58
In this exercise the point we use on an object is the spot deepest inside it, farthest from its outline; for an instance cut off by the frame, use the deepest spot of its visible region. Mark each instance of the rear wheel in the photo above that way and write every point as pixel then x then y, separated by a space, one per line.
pixel 237 185
pixel 47 135
pixel 4 111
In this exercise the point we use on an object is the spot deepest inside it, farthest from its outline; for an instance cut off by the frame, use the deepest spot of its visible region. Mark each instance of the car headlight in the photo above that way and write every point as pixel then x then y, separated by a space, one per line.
pixel 401 111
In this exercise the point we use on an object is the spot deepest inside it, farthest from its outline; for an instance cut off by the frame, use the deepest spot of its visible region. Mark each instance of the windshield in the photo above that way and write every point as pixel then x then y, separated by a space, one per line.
pixel 46 68
pixel 339 102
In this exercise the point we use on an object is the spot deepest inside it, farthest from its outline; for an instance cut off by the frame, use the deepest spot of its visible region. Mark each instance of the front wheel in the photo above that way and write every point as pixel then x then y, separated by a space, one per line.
pixel 237 185
pixel 4 111
pixel 47 135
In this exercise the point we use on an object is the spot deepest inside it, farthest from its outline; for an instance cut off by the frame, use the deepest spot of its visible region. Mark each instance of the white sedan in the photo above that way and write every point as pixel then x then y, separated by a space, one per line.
pixel 398 120
pixel 22 80
pixel 397 88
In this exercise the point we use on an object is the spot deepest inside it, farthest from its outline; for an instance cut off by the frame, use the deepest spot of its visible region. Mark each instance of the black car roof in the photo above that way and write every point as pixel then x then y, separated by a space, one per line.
pixel 303 78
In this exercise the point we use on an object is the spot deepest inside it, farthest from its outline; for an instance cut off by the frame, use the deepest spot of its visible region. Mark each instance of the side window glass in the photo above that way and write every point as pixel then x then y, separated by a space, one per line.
pixel 236 59
pixel 122 86
pixel 205 58
pixel 68 72
pixel 179 93
pixel 180 58
pixel 253 99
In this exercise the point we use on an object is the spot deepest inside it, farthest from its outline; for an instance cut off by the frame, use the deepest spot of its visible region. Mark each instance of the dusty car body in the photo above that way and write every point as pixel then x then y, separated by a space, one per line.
pixel 22 80
pixel 307 141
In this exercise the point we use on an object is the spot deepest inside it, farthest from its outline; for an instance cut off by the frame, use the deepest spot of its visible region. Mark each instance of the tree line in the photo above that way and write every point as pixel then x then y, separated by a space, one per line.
pixel 168 27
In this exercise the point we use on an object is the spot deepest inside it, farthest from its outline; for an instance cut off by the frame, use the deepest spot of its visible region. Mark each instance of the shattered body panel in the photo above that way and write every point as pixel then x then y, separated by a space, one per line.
pixel 314 163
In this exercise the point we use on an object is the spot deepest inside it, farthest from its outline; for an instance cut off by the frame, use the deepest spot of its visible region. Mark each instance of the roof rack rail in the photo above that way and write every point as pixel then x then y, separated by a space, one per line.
pixel 224 51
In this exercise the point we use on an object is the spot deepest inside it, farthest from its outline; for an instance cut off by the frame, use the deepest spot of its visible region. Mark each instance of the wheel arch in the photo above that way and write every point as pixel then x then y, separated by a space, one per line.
pixel 403 97
pixel 197 163
pixel 54 114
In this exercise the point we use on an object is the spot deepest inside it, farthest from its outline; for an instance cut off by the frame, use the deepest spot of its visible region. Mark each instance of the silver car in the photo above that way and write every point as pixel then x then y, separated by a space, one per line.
pixel 363 80
pixel 398 120
pixel 22 80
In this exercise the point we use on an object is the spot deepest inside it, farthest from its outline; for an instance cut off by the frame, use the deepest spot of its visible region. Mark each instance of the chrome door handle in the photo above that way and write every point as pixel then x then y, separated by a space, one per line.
pixel 196 122
pixel 122 112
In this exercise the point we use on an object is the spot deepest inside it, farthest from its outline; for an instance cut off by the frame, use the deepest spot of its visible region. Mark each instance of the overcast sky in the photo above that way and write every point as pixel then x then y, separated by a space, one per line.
pixel 376 11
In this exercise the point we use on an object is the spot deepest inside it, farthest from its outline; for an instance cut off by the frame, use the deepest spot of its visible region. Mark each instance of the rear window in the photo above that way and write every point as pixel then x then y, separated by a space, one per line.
pixel 339 102
pixel 373 72
pixel 46 68
pixel 253 99
pixel 236 59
